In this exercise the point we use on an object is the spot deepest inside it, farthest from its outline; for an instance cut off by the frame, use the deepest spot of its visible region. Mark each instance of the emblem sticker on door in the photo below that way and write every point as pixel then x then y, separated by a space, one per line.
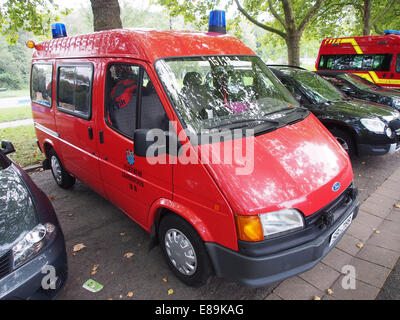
pixel 130 157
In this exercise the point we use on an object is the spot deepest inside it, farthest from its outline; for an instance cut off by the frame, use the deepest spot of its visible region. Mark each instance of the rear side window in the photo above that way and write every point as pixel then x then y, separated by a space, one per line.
pixel 363 62
pixel 41 84
pixel 74 90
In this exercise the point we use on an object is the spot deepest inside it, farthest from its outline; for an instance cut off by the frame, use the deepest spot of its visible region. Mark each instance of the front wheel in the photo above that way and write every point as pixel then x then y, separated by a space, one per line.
pixel 184 251
pixel 61 176
pixel 345 140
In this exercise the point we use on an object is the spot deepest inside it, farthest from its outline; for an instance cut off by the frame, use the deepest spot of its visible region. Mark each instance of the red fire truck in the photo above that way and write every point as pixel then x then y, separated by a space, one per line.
pixel 375 58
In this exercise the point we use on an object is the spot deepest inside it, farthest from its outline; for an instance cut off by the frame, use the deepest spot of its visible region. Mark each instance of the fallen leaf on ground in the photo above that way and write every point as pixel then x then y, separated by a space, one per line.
pixel 128 255
pixel 363 162
pixel 94 269
pixel 51 197
pixel 397 205
pixel 165 279
pixel 130 294
pixel 377 231
pixel 122 234
pixel 316 298
pixel 330 292
pixel 170 291
pixel 79 247
pixel 360 245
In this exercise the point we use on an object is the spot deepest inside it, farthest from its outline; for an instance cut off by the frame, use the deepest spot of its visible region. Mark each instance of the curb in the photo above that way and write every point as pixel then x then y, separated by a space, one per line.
pixel 32 168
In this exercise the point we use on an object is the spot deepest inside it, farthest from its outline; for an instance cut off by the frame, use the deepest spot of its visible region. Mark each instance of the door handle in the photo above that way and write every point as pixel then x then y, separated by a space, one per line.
pixel 90 131
pixel 101 137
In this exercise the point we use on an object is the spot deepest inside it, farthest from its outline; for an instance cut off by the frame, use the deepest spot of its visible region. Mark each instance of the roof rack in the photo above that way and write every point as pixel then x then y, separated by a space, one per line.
pixel 285 65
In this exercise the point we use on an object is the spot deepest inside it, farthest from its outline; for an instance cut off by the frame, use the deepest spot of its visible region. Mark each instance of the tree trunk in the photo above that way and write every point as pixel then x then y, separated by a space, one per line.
pixel 293 46
pixel 367 18
pixel 106 14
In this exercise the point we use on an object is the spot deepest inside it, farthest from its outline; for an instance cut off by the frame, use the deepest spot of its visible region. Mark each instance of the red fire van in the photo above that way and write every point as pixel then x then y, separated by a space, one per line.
pixel 375 58
pixel 255 219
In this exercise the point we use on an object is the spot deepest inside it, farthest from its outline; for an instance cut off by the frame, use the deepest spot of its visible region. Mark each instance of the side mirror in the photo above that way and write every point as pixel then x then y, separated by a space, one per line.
pixel 7 147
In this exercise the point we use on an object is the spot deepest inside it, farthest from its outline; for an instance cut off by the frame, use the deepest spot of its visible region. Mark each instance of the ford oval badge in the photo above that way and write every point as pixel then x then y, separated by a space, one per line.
pixel 336 186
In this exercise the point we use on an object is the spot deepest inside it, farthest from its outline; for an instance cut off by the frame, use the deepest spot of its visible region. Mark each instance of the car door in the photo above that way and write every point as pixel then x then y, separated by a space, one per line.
pixel 131 102
pixel 76 108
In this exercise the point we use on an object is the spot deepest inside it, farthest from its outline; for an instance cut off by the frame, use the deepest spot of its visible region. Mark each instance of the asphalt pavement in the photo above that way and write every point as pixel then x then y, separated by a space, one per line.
pixel 108 235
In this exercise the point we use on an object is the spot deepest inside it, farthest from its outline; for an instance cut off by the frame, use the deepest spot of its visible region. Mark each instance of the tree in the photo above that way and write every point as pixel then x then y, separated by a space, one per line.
pixel 286 18
pixel 30 15
pixel 374 11
pixel 106 14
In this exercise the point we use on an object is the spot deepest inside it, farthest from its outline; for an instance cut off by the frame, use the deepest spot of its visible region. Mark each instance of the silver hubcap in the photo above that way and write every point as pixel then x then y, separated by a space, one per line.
pixel 181 252
pixel 343 143
pixel 56 168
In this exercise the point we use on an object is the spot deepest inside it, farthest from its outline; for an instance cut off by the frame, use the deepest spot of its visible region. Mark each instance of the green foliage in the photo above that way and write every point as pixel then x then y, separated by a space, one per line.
pixel 15 62
pixel 34 16
pixel 24 140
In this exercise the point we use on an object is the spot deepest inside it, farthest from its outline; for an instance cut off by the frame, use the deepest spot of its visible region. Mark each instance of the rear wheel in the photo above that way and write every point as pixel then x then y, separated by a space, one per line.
pixel 345 140
pixel 62 177
pixel 184 251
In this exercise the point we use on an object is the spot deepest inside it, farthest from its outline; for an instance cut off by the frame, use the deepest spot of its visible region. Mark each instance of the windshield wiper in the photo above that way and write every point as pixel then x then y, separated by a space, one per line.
pixel 291 109
pixel 265 120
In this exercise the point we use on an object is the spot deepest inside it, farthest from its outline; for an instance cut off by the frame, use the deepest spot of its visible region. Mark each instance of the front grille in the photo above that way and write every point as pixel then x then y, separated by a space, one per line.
pixel 5 264
pixel 333 211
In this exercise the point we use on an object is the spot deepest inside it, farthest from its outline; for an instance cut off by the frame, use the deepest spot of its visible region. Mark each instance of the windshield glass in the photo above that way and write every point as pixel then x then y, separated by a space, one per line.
pixel 316 87
pixel 17 213
pixel 211 91
pixel 356 82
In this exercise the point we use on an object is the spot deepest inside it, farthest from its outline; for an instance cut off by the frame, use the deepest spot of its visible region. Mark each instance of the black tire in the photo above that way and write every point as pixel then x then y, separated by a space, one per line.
pixel 203 267
pixel 62 178
pixel 345 139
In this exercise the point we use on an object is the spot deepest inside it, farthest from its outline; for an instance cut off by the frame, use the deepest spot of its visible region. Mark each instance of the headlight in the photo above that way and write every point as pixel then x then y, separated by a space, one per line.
pixel 32 242
pixel 396 102
pixel 375 125
pixel 281 221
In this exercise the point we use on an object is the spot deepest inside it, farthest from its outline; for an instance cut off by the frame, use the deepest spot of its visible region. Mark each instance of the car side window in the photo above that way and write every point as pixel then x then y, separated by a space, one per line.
pixel 41 84
pixel 74 90
pixel 398 63
pixel 153 114
pixel 121 96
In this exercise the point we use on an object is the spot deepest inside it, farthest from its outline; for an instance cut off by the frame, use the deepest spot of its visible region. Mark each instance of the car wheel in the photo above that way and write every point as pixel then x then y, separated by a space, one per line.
pixel 62 177
pixel 345 140
pixel 184 251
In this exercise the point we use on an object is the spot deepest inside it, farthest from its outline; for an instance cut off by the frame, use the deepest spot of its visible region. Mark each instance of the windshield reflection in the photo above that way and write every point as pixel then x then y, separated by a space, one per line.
pixel 213 91
pixel 17 213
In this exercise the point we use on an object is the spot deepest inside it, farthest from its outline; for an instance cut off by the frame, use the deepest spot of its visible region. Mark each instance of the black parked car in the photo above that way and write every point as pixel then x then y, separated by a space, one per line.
pixel 363 128
pixel 360 88
pixel 33 260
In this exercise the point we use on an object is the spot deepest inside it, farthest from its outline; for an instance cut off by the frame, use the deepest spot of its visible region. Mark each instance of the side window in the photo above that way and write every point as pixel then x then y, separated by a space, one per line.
pixel 153 114
pixel 121 97
pixel 41 84
pixel 74 90
pixel 398 63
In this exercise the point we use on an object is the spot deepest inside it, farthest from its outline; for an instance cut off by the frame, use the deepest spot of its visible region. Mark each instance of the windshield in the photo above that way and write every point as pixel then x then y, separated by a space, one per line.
pixel 211 91
pixel 357 82
pixel 316 87
pixel 17 213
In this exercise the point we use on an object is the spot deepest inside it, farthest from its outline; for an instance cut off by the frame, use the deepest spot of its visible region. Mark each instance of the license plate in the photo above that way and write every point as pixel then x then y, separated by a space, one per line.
pixel 342 228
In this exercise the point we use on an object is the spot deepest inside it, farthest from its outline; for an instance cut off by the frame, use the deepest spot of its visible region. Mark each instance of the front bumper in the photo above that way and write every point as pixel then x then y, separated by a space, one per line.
pixel 255 270
pixel 26 281
pixel 371 150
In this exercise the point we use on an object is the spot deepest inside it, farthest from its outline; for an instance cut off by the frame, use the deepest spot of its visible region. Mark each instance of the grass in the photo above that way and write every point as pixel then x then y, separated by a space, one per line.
pixel 14 93
pixel 24 140
pixel 16 113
